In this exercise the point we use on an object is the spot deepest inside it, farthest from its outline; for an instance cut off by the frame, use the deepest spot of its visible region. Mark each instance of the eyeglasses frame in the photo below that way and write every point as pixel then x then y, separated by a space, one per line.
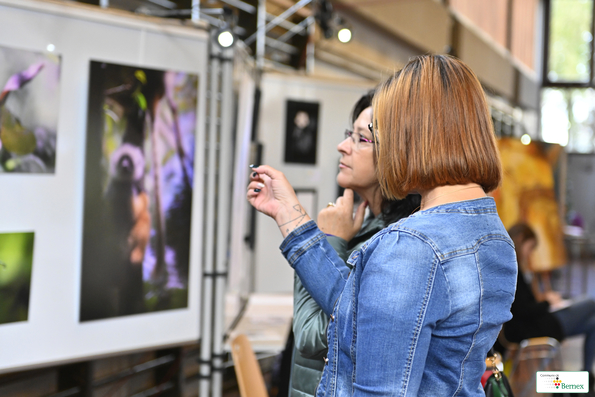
pixel 349 133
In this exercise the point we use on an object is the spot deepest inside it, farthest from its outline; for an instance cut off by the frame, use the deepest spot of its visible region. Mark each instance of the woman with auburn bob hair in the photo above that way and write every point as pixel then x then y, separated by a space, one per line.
pixel 427 295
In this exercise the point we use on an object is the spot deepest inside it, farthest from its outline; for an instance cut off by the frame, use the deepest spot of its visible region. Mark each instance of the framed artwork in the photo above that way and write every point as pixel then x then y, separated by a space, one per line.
pixel 16 262
pixel 301 132
pixel 29 104
pixel 138 190
pixel 100 246
pixel 527 194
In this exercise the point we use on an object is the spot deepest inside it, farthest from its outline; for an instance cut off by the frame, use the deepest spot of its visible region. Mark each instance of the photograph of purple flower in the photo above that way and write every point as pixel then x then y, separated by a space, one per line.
pixel 138 190
pixel 29 104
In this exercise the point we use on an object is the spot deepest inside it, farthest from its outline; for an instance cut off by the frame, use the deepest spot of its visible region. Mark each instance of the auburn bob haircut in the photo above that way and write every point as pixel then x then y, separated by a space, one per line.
pixel 434 128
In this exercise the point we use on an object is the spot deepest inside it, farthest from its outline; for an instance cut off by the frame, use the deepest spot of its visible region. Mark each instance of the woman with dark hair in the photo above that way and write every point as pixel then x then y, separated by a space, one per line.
pixel 532 318
pixel 427 295
pixel 345 233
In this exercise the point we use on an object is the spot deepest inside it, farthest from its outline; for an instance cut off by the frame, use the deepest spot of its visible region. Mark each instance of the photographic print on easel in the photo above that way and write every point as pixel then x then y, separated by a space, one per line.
pixel 29 104
pixel 138 190
pixel 301 132
pixel 16 262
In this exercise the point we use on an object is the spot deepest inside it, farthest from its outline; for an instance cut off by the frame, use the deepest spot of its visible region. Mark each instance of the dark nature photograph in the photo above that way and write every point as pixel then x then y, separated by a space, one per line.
pixel 138 190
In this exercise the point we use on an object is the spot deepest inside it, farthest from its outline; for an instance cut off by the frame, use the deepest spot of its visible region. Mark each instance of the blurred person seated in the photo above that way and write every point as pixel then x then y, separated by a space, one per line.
pixel 553 316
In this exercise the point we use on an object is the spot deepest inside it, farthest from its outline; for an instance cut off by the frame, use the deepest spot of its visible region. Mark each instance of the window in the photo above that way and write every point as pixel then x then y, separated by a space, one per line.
pixel 567 118
pixel 568 95
pixel 570 41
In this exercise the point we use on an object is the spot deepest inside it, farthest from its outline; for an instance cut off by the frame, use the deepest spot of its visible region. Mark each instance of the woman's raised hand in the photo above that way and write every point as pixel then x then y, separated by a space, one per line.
pixel 339 220
pixel 270 193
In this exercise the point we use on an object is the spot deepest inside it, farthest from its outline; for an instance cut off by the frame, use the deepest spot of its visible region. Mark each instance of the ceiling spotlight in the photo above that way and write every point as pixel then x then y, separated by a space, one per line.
pixel 344 35
pixel 227 24
pixel 225 38
pixel 526 139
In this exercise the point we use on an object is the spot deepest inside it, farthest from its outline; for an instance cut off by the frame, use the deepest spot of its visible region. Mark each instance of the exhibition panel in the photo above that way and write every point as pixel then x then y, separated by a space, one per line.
pixel 107 122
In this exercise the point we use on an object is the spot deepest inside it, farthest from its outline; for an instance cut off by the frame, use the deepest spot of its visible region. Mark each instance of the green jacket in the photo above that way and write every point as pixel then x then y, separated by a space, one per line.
pixel 310 322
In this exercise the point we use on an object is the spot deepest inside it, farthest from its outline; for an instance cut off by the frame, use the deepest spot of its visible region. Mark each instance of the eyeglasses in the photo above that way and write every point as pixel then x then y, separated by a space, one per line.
pixel 374 133
pixel 357 138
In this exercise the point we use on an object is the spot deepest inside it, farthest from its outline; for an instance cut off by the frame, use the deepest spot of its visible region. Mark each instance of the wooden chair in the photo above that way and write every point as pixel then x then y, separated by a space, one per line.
pixel 248 372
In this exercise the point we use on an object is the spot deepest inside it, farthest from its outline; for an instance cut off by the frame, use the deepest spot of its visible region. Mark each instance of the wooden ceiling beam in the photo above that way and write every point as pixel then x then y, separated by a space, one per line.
pixel 303 12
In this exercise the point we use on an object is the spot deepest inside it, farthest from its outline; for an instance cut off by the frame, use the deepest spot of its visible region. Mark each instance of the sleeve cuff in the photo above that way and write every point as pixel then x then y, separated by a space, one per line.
pixel 296 232
pixel 299 240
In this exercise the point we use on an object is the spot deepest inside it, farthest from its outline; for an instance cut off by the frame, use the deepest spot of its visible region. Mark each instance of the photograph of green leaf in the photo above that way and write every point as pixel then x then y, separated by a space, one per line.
pixel 29 104
pixel 138 190
pixel 16 262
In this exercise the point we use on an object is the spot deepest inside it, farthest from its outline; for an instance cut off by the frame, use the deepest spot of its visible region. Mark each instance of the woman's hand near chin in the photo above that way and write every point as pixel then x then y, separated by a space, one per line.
pixel 339 220
pixel 270 193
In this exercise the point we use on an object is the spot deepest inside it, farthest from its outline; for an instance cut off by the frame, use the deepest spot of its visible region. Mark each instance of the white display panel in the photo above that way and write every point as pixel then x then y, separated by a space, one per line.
pixel 336 99
pixel 51 205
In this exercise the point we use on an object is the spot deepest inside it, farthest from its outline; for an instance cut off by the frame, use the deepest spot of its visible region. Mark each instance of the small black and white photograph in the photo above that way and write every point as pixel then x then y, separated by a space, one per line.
pixel 301 132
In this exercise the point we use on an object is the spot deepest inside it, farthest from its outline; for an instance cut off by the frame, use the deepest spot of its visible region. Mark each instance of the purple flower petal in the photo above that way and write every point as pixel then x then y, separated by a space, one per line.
pixel 18 80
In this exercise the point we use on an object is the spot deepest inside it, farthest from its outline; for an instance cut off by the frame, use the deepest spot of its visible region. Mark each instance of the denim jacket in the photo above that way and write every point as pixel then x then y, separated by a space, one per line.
pixel 421 307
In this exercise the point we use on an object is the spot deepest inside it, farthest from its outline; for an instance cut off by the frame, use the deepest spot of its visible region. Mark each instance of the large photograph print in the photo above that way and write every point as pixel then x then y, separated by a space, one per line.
pixel 138 190
pixel 29 104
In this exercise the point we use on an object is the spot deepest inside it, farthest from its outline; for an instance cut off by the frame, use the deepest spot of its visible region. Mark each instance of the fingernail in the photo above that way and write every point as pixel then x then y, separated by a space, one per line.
pixel 260 185
pixel 257 190
pixel 253 166
pixel 254 174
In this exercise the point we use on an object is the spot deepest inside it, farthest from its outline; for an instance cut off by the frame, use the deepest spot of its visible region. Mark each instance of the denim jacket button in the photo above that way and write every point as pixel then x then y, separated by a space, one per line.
pixel 332 318
pixel 325 361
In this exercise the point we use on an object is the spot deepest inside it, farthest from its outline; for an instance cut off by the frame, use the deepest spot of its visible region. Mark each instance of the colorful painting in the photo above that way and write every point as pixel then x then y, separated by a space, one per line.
pixel 527 195
pixel 138 190
pixel 29 105
pixel 16 262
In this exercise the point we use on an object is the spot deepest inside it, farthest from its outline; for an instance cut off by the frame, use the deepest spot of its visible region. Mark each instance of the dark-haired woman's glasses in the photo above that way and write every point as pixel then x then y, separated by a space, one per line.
pixel 357 138
pixel 371 128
